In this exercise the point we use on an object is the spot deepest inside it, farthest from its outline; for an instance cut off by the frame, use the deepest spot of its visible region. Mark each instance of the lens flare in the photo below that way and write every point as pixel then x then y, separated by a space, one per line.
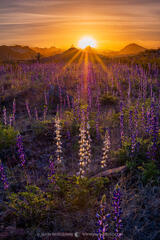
pixel 87 42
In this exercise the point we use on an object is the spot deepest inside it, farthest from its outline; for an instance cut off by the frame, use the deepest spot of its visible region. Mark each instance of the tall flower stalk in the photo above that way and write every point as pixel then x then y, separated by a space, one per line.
pixel 36 114
pixel 20 150
pixel 14 109
pixel 5 116
pixel 52 169
pixel 106 148
pixel 59 157
pixel 88 143
pixel 10 120
pixel 3 176
pixel 121 123
pixel 117 212
pixel 85 148
pixel 102 219
pixel 28 109
pixel 45 106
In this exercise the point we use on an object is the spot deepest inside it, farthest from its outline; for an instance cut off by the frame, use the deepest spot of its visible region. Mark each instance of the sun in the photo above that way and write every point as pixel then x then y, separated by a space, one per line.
pixel 87 42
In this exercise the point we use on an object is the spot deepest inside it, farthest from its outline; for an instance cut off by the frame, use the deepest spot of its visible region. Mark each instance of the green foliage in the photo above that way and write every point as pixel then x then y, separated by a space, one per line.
pixel 75 128
pixel 150 172
pixel 7 137
pixel 32 204
pixel 83 107
pixel 121 155
pixel 75 193
pixel 108 100
pixel 114 120
pixel 133 160
pixel 75 146
pixel 103 200
pixel 68 116
pixel 41 127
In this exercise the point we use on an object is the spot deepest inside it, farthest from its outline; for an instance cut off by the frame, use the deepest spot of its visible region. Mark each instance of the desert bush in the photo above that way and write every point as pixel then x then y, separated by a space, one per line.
pixel 108 100
pixel 7 137
pixel 150 172
pixel 41 127
pixel 136 158
pixel 75 193
pixel 32 205
pixel 113 120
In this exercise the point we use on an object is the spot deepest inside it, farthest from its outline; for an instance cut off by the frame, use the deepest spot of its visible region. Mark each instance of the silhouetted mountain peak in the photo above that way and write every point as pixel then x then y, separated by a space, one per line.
pixel 132 48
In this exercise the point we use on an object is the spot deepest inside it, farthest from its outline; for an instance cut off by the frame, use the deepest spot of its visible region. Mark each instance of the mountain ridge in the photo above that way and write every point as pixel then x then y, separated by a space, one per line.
pixel 132 48
pixel 19 52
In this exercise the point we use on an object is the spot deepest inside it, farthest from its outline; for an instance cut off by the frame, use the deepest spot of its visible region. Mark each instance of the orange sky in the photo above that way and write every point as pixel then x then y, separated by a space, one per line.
pixel 113 23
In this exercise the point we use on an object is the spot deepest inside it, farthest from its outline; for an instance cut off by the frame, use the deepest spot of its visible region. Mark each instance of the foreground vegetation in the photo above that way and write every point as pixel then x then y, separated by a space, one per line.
pixel 63 127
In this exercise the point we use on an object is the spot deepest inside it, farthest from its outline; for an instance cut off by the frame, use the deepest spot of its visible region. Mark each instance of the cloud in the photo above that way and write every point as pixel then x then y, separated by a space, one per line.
pixel 138 18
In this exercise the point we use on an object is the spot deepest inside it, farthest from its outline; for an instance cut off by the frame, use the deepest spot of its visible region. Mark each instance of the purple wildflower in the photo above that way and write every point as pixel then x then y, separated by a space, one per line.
pixel 14 109
pixel 52 169
pixel 68 101
pixel 4 116
pixel 131 122
pixel 3 177
pixel 36 113
pixel 10 120
pixel 28 109
pixel 102 217
pixel 117 212
pixel 20 150
pixel 154 137
pixel 45 106
pixel 121 123
pixel 68 134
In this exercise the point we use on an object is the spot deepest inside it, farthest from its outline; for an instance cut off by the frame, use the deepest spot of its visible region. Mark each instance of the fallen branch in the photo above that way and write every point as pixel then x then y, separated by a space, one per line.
pixel 112 171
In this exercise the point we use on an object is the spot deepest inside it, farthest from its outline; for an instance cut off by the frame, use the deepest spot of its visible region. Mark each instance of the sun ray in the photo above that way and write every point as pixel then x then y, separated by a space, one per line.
pixel 85 79
pixel 72 59
pixel 81 59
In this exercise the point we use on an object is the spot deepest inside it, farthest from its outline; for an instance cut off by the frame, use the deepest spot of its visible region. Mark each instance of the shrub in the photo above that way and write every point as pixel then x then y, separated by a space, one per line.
pixel 133 160
pixel 75 193
pixel 41 127
pixel 150 172
pixel 114 120
pixel 31 205
pixel 7 137
pixel 108 100
pixel 75 128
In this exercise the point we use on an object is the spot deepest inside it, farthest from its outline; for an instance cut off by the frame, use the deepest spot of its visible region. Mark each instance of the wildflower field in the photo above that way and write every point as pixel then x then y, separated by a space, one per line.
pixel 80 150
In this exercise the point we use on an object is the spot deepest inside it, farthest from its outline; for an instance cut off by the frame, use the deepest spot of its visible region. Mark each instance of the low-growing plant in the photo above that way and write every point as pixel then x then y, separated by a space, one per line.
pixel 76 193
pixel 114 120
pixel 7 137
pixel 32 205
pixel 108 100
pixel 150 172
pixel 41 127
pixel 133 160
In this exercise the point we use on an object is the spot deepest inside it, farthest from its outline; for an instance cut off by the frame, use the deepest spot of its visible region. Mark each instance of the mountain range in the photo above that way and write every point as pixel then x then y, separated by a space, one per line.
pixel 18 52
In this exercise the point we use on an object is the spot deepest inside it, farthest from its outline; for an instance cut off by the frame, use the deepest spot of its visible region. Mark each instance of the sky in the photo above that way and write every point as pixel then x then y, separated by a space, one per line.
pixel 61 23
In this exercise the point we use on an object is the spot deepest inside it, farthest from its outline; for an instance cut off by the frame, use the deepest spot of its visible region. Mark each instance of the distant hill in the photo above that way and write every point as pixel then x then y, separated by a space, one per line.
pixel 77 55
pixel 17 52
pixel 74 55
pixel 105 52
pixel 47 52
pixel 64 56
pixel 131 49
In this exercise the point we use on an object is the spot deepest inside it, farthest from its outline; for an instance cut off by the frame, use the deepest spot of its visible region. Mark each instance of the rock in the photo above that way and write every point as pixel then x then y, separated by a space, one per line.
pixel 113 171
